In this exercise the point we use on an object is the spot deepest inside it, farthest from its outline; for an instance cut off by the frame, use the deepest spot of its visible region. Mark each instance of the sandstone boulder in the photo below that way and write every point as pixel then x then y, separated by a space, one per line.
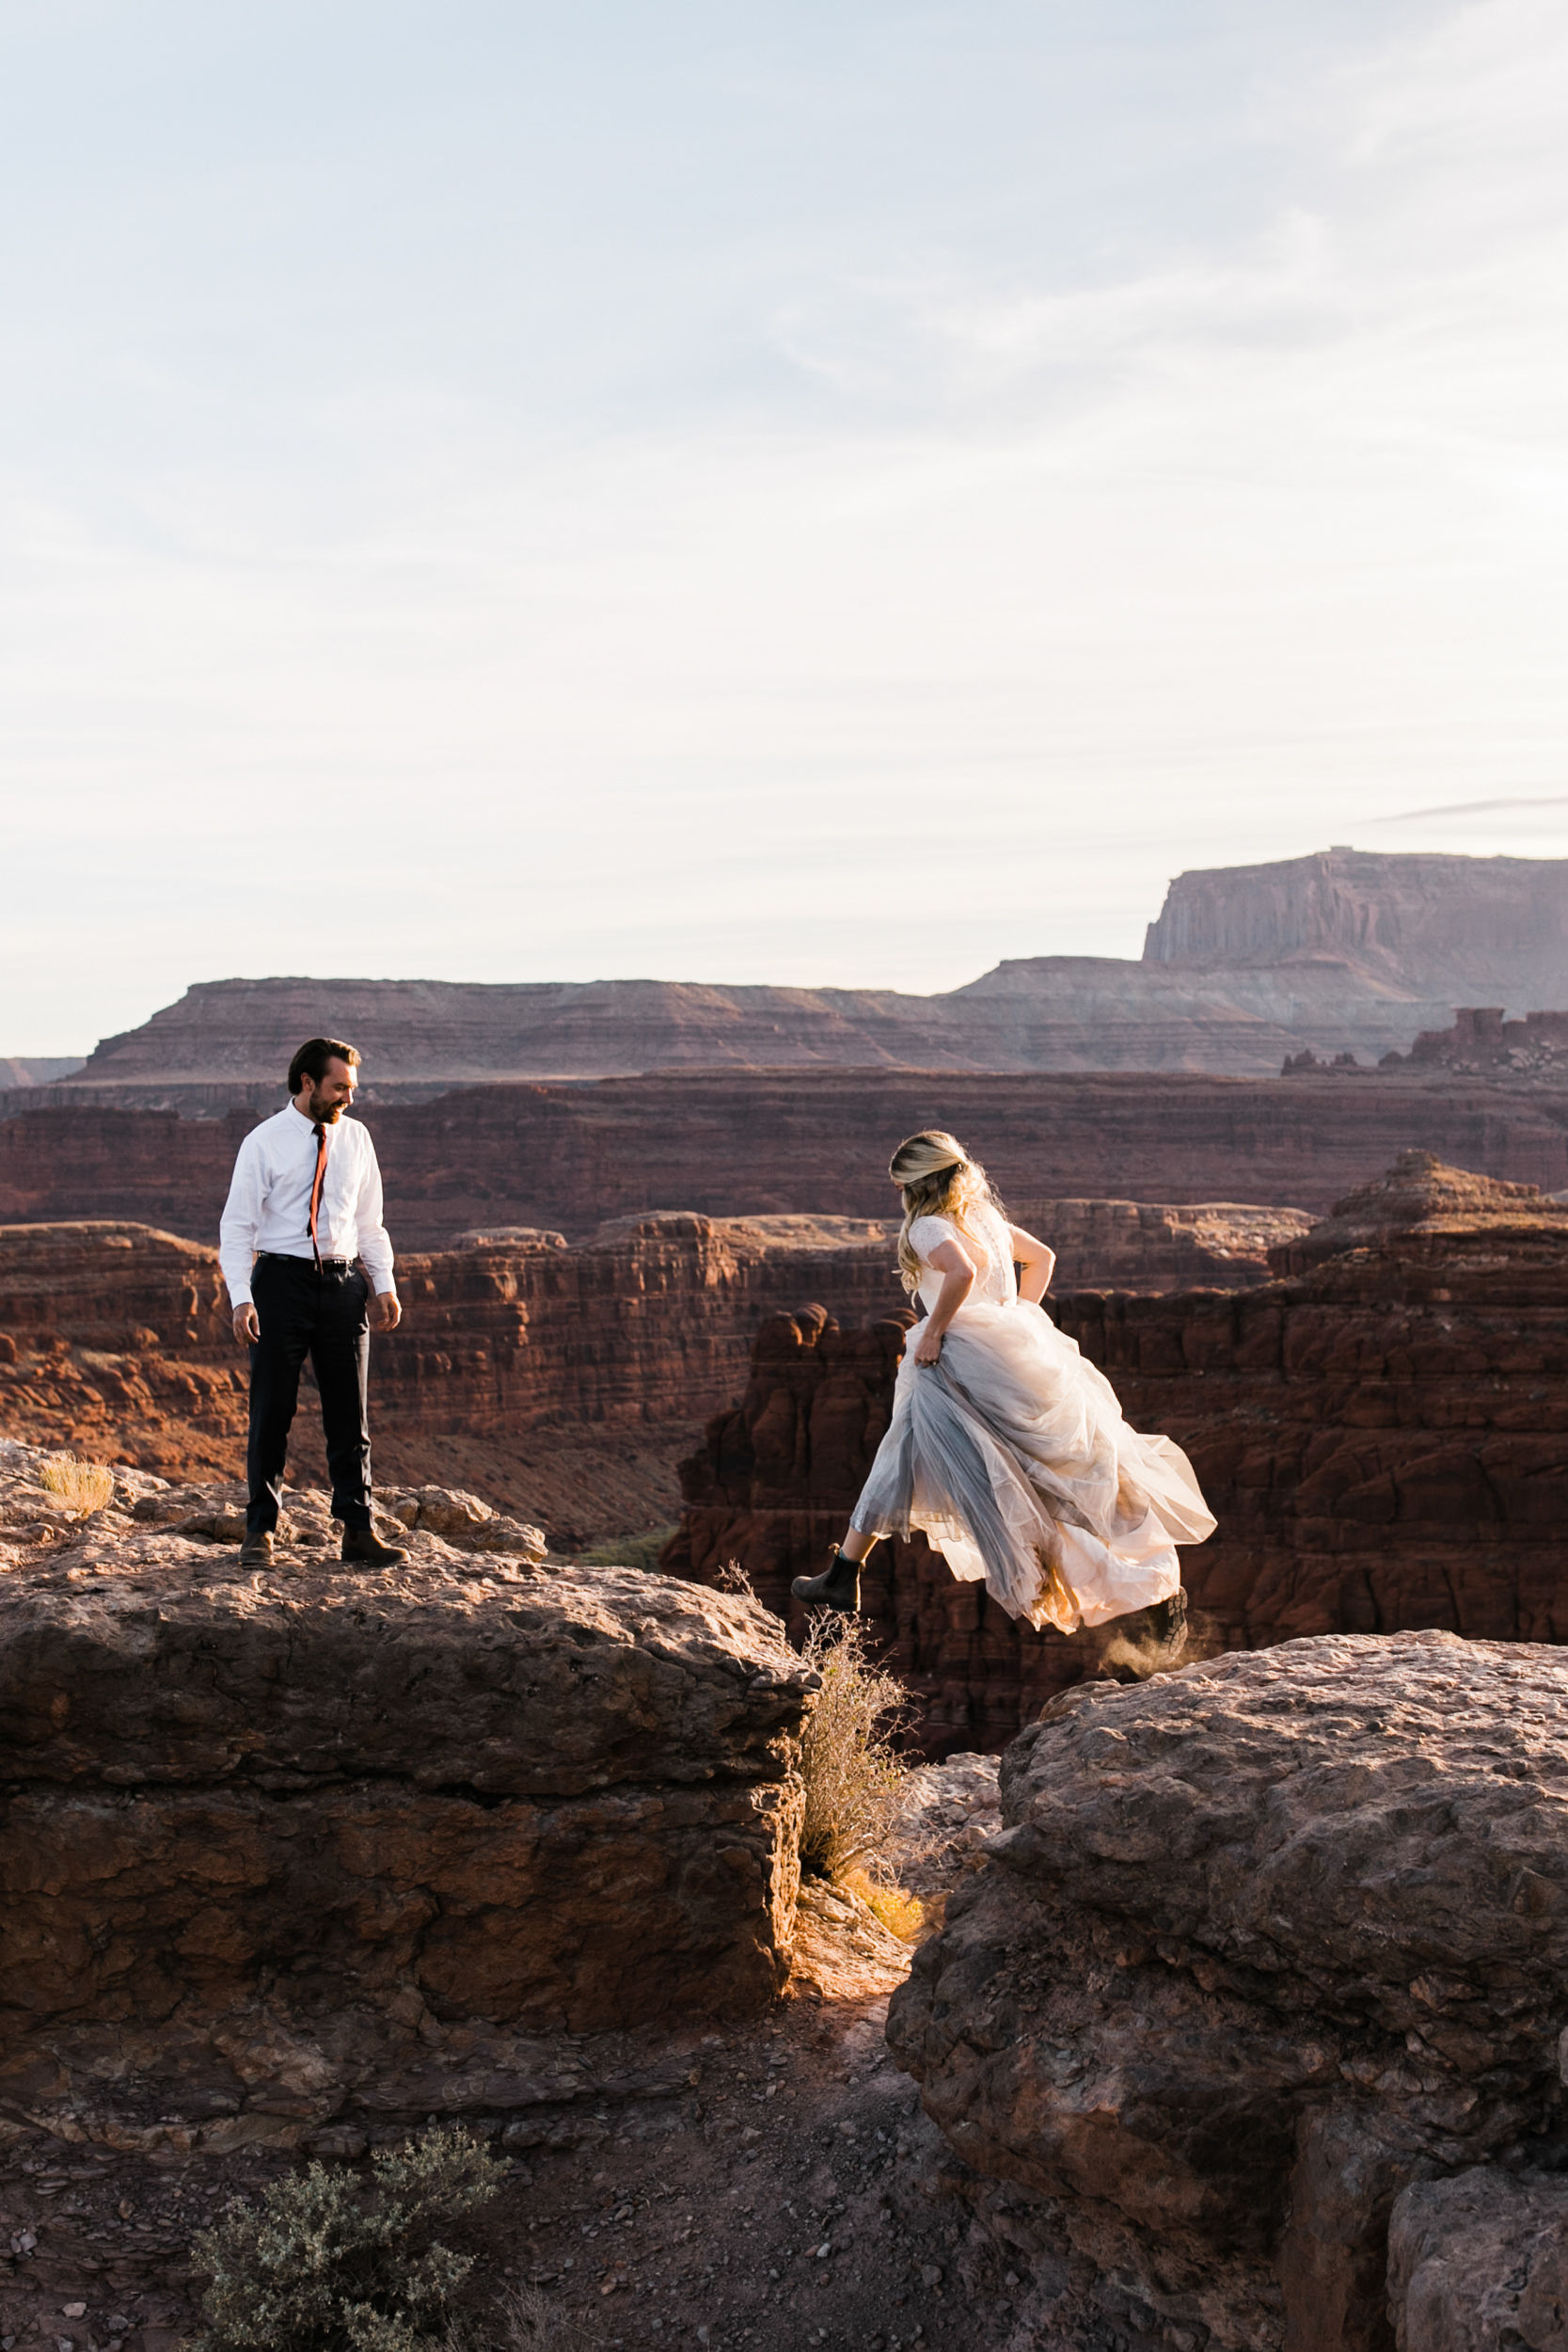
pixel 1480 2263
pixel 462 1520
pixel 1427 1209
pixel 315 1813
pixel 1262 1944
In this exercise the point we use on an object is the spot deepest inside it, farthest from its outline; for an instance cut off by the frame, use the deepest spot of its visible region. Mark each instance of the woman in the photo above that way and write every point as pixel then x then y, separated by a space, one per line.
pixel 1006 1448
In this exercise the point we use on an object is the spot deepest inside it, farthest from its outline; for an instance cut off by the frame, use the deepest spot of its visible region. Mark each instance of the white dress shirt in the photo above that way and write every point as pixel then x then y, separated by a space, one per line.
pixel 268 1206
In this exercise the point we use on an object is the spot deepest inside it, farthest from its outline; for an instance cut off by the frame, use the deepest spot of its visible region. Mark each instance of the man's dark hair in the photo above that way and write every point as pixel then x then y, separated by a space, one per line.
pixel 312 1058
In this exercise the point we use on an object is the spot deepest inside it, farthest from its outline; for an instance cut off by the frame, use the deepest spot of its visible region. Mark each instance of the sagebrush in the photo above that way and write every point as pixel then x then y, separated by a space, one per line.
pixel 83 1487
pixel 858 1787
pixel 334 2260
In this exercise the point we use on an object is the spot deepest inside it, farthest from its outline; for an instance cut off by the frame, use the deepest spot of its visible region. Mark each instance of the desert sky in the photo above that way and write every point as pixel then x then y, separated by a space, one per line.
pixel 835 494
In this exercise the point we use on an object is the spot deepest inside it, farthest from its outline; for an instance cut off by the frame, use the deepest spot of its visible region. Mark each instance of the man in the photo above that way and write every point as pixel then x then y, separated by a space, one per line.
pixel 305 1203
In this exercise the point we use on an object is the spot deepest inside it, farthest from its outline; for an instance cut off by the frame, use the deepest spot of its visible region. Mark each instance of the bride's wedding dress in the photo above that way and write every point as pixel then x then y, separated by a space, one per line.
pixel 1012 1456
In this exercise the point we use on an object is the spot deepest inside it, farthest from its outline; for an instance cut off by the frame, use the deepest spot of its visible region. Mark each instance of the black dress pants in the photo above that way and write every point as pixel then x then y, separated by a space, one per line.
pixel 320 1314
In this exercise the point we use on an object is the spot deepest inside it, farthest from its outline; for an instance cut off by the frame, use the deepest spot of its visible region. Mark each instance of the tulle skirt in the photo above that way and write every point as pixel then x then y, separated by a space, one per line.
pixel 1012 1456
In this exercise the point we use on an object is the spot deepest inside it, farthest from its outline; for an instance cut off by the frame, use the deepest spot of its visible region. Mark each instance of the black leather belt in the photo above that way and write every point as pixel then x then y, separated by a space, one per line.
pixel 286 1257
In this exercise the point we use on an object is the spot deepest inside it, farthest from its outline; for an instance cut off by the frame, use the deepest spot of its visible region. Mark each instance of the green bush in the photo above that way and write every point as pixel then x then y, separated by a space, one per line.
pixel 333 2261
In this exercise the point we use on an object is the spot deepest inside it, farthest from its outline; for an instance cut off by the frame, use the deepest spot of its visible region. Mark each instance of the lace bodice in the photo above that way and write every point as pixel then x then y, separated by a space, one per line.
pixel 982 1239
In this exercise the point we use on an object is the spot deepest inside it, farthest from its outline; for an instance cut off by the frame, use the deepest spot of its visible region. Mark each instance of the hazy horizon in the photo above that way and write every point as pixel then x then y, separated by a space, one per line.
pixel 844 499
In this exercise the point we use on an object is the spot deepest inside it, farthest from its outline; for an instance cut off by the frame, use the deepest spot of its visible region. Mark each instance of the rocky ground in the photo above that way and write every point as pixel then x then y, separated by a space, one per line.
pixel 770 2183
pixel 775 2187
pixel 587 1485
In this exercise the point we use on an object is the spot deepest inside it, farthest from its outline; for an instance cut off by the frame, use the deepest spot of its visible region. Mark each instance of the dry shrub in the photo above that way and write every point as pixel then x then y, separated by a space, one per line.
pixel 82 1486
pixel 333 2261
pixel 857 1785
pixel 531 2322
pixel 902 1914
pixel 732 1577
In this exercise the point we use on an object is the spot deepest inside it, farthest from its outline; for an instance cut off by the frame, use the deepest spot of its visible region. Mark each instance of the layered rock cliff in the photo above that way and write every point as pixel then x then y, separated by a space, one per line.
pixel 1380 1436
pixel 1262 1947
pixel 116 1339
pixel 569 1157
pixel 283 1849
pixel 230 1040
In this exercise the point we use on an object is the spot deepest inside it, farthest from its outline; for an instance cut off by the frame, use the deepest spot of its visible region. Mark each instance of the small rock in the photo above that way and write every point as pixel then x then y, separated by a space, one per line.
pixel 74 2310
pixel 930 2274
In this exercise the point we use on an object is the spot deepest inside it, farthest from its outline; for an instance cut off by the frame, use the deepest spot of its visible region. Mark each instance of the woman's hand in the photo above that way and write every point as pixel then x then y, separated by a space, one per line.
pixel 957 1279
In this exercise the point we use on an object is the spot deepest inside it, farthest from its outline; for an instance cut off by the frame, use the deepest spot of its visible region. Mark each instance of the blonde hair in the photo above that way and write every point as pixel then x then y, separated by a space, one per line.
pixel 939 1179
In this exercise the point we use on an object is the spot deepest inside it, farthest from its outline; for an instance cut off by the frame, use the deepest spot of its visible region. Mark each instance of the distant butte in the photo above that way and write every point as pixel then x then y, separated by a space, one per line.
pixel 1342 952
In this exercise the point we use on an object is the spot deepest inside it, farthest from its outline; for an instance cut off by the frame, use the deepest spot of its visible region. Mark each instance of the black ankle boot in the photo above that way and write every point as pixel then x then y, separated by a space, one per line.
pixel 837 1587
pixel 1168 1625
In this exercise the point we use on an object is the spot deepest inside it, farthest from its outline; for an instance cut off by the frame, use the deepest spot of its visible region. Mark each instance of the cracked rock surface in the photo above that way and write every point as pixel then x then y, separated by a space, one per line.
pixel 1263 1943
pixel 284 1848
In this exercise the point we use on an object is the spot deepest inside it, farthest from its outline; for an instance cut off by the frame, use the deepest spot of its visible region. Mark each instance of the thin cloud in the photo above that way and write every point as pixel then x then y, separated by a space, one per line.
pixel 1472 808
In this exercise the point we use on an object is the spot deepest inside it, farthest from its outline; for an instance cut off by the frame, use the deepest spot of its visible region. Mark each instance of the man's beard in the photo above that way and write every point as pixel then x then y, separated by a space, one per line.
pixel 327 1113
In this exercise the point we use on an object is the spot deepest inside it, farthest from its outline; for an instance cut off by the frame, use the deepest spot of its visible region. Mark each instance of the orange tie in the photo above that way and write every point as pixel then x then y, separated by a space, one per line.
pixel 316 1191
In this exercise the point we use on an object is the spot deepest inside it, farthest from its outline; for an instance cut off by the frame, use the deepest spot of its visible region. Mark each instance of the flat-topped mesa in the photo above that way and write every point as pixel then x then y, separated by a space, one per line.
pixel 1261 1943
pixel 344 1821
pixel 1421 1211
pixel 1431 923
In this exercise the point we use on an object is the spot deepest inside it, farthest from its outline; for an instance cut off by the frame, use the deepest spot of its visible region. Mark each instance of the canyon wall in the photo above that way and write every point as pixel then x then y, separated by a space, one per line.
pixel 118 1340
pixel 1382 1438
pixel 568 1157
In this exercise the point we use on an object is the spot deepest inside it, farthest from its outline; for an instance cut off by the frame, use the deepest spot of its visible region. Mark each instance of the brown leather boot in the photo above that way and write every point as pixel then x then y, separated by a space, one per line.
pixel 364 1548
pixel 256 1550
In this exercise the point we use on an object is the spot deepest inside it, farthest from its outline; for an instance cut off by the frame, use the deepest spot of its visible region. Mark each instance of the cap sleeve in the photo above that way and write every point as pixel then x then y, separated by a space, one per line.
pixel 927 1231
